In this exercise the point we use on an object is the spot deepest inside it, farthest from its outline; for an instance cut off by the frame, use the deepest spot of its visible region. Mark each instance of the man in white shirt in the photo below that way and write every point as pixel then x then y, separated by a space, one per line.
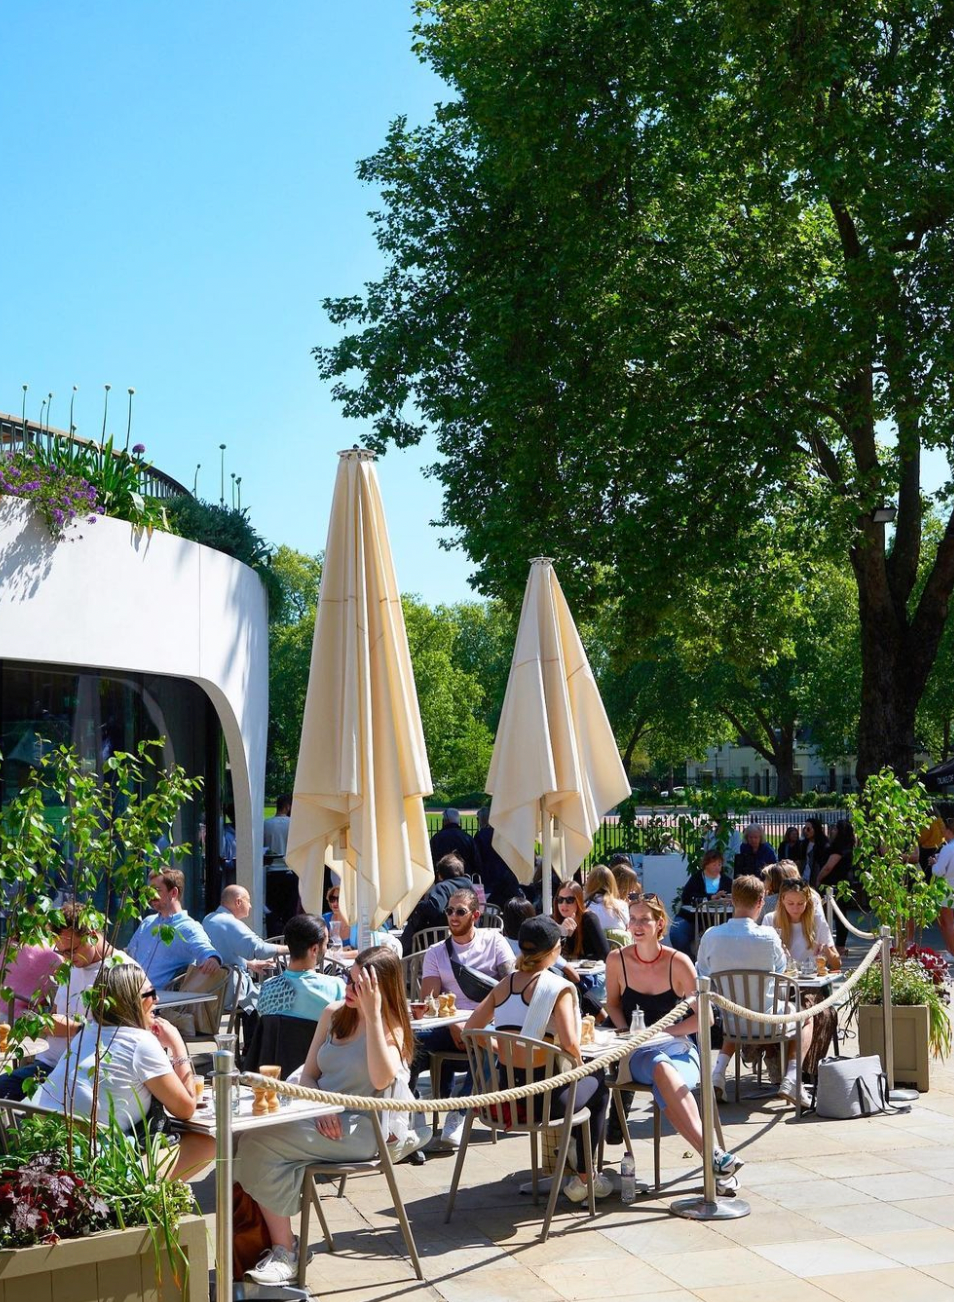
pixel 84 953
pixel 275 832
pixel 741 943
pixel 483 950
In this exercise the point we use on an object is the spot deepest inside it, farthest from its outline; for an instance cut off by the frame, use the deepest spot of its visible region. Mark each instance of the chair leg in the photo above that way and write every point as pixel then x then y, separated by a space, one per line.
pixel 459 1164
pixel 588 1160
pixel 396 1198
pixel 657 1143
pixel 623 1122
pixel 559 1168
pixel 303 1233
pixel 315 1201
pixel 341 1186
pixel 534 1168
pixel 718 1125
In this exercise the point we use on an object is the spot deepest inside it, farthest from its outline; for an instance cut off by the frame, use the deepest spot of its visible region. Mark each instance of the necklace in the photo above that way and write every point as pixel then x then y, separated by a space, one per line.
pixel 647 962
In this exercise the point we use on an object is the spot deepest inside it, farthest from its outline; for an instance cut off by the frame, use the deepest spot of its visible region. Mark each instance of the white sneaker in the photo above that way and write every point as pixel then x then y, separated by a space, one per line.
pixel 790 1090
pixel 578 1190
pixel 718 1085
pixel 278 1266
pixel 451 1129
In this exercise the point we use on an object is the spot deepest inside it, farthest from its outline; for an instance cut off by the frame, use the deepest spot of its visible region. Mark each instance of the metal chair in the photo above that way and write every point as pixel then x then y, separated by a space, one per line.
pixel 411 966
pixel 624 1084
pixel 491 916
pixel 766 992
pixel 503 1060
pixel 427 937
pixel 709 915
pixel 341 1170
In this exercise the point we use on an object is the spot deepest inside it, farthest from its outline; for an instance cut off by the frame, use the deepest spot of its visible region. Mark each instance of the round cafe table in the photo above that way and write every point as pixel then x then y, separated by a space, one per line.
pixel 31 1049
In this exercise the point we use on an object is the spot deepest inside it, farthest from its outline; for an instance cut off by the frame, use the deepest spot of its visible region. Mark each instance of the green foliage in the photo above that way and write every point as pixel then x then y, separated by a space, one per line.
pixel 290 637
pixel 910 985
pixel 227 530
pixel 656 273
pixel 888 817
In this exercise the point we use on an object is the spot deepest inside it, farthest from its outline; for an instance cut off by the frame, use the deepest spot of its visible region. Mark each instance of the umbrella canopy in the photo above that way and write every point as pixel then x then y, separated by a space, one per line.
pixel 940 777
pixel 362 768
pixel 555 756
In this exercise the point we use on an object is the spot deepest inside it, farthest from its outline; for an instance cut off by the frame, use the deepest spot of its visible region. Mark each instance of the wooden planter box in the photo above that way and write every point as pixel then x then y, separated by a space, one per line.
pixel 117 1265
pixel 911 1028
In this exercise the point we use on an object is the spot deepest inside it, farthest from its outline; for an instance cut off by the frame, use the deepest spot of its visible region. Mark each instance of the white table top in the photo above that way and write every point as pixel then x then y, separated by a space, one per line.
pixel 819 983
pixel 203 1119
pixel 30 1047
pixel 425 1023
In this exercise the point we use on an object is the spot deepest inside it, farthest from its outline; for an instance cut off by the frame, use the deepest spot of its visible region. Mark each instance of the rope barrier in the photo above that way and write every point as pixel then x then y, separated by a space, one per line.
pixel 627 1045
pixel 834 1000
pixel 862 935
pixel 361 1102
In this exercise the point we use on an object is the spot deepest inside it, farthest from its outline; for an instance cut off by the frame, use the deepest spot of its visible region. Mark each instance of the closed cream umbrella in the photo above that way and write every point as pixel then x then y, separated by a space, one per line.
pixel 362 768
pixel 556 768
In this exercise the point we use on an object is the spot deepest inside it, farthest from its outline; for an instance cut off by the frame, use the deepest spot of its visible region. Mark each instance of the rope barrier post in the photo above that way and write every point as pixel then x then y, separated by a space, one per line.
pixel 886 1001
pixel 710 1207
pixel 830 910
pixel 223 1060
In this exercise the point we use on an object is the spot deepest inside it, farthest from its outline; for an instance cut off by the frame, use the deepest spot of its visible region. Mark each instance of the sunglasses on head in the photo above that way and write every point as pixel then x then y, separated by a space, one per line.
pixel 458 912
pixel 793 886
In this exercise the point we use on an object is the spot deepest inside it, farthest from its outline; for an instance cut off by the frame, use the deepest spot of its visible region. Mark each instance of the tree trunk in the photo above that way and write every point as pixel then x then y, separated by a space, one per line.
pixel 890 690
pixel 784 762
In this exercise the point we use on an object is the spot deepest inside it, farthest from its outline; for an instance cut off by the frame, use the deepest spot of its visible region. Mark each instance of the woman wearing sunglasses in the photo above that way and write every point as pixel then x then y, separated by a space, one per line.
pixel 654 978
pixel 134 1058
pixel 583 934
pixel 800 922
pixel 362 1046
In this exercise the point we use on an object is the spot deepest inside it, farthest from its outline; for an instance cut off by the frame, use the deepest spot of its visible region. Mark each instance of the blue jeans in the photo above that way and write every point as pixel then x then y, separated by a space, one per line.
pixel 438 1039
pixel 681 935
pixel 11 1084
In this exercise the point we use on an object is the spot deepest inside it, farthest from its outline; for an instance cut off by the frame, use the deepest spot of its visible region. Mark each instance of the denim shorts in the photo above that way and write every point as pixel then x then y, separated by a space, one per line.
pixel 643 1063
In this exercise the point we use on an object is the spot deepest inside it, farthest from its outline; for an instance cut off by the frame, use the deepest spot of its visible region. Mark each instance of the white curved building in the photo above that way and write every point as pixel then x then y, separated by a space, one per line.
pixel 112 635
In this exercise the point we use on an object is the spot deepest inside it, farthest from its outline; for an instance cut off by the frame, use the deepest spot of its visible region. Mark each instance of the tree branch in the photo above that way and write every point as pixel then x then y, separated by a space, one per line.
pixel 744 733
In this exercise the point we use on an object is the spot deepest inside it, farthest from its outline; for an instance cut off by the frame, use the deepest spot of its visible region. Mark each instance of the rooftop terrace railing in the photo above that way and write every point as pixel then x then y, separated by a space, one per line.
pixel 17 435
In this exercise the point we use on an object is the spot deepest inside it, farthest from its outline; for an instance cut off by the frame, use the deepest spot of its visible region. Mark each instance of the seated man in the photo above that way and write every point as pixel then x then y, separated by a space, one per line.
pixel 711 882
pixel 86 951
pixel 741 943
pixel 482 950
pixel 451 876
pixel 163 959
pixel 237 944
pixel 302 991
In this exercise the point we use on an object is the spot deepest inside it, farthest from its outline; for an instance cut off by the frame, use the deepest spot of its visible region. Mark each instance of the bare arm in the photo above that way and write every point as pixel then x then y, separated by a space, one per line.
pixel 614 989
pixel 483 1014
pixel 831 863
pixel 430 985
pixel 684 984
pixel 564 1023
pixel 384 1046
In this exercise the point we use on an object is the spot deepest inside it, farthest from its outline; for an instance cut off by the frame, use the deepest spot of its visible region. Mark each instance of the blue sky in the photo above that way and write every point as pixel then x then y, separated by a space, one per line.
pixel 180 194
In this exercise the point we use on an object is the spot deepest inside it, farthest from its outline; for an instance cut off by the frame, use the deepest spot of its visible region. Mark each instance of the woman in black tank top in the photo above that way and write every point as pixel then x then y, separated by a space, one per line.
pixel 655 978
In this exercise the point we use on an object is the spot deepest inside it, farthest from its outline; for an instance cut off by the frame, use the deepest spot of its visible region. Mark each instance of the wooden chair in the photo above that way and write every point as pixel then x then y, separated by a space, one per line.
pixel 624 1084
pixel 768 992
pixel 341 1170
pixel 709 915
pixel 411 966
pixel 498 1061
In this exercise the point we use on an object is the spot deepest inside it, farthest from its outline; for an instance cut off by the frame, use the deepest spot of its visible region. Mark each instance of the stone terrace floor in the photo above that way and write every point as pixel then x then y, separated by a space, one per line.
pixel 853 1210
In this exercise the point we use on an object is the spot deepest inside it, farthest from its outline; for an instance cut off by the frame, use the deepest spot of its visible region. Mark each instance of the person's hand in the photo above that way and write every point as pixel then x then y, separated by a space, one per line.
pixel 260 964
pixel 169 1036
pixel 367 992
pixel 568 926
pixel 456 1036
pixel 210 966
pixel 330 1127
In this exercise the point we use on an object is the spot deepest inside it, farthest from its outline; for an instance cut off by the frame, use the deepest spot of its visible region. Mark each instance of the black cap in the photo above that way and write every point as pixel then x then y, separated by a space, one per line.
pixel 539 935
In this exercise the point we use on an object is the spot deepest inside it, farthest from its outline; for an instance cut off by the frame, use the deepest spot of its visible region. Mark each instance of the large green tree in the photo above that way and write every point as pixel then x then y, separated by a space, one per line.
pixel 657 267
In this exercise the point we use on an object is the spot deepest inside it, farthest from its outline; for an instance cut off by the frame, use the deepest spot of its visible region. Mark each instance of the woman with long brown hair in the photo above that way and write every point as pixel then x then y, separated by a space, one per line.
pixel 362 1046
pixel 583 934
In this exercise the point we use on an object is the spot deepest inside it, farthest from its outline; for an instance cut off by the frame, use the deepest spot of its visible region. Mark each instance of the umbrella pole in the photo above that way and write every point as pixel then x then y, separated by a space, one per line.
pixel 546 880
pixel 361 909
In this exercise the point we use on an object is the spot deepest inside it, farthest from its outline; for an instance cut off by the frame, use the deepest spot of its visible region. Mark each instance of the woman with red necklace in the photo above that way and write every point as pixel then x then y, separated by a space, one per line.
pixel 655 978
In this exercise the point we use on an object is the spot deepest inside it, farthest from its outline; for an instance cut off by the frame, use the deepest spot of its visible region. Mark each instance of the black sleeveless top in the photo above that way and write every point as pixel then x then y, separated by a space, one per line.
pixel 654 1006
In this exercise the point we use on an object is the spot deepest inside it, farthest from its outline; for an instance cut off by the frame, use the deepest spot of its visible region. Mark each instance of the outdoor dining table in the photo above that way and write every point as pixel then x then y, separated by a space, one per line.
pixel 202 1120
pixel 31 1049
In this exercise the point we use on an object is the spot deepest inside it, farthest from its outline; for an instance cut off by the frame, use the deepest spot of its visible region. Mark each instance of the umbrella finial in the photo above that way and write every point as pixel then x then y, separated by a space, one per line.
pixel 541 560
pixel 359 453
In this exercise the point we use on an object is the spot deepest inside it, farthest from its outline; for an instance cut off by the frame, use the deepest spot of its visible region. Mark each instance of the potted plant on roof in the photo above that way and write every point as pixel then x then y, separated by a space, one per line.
pixel 888 816
pixel 81 1209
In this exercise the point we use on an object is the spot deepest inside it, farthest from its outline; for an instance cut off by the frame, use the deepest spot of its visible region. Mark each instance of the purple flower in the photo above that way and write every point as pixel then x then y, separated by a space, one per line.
pixel 138 449
pixel 91 519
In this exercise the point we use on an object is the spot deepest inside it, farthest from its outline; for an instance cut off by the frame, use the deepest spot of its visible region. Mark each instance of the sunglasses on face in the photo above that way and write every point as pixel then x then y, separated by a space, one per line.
pixel 566 899
pixel 333 899
pixel 456 913
pixel 151 993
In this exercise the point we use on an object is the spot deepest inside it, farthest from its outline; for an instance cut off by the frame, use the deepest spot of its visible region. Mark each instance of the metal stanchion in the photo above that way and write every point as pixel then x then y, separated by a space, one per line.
pixel 830 910
pixel 709 1207
pixel 886 998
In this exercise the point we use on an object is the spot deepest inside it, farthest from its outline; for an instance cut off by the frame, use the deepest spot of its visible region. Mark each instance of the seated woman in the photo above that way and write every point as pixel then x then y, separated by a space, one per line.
pixel 800 922
pixel 536 1001
pixel 362 1046
pixel 655 978
pixel 627 883
pixel 128 1046
pixel 601 898
pixel 343 935
pixel 583 934
pixel 711 882
pixel 786 870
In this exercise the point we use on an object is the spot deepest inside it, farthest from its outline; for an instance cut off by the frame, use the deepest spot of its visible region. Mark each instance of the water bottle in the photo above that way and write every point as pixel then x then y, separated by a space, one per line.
pixel 627 1180
pixel 637 1022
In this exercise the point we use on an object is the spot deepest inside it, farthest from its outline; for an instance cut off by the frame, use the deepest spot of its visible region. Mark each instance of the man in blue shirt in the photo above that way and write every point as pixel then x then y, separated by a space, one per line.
pixel 236 943
pixel 163 959
pixel 302 991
